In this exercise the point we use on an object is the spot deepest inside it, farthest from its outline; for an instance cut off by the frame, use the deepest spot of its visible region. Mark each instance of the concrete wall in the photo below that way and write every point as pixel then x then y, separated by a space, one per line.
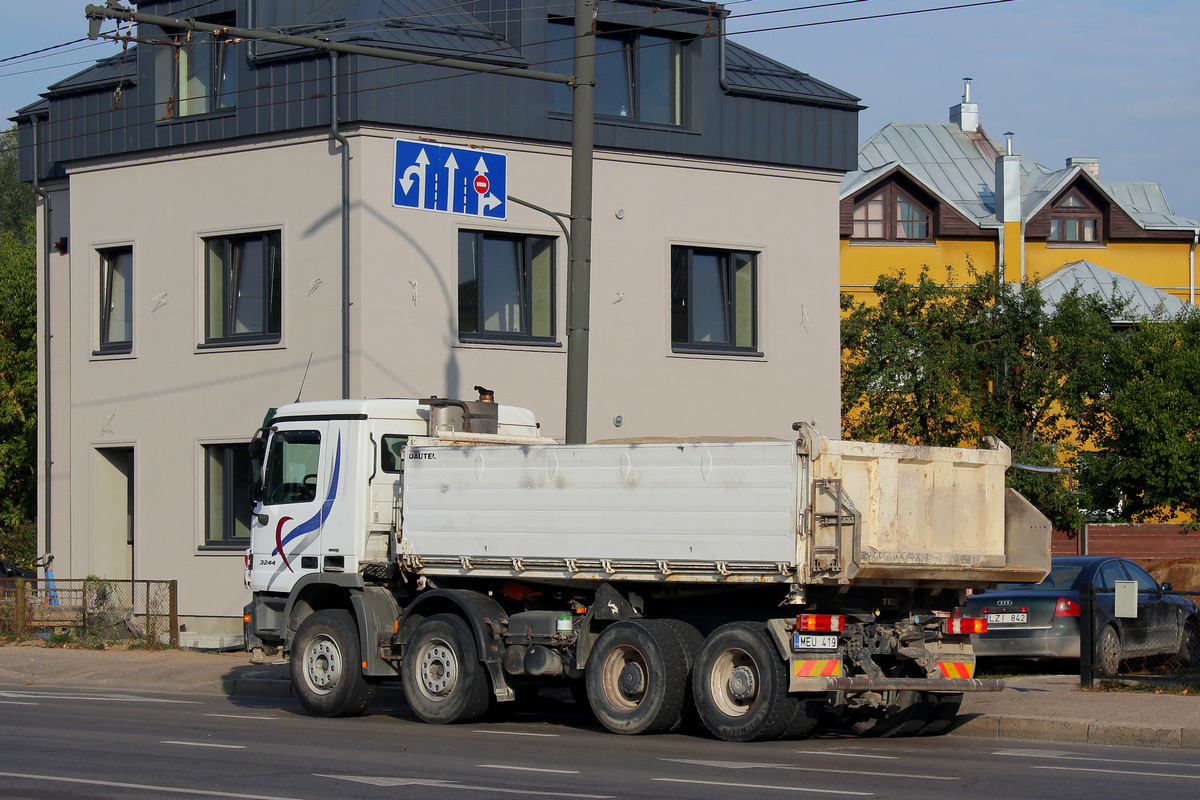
pixel 169 397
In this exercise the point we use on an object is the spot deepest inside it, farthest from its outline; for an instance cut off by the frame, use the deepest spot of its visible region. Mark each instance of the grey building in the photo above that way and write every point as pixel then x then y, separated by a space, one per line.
pixel 191 226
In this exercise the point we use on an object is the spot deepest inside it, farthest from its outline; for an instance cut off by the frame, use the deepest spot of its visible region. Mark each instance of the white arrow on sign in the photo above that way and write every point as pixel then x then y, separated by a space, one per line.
pixel 416 172
pixel 451 186
pixel 487 203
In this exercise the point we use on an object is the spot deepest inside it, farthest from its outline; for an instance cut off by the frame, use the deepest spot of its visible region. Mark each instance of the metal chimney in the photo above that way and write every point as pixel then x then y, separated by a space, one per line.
pixel 966 114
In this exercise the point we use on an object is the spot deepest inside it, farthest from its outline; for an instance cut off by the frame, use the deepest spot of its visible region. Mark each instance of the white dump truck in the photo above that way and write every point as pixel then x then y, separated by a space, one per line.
pixel 757 585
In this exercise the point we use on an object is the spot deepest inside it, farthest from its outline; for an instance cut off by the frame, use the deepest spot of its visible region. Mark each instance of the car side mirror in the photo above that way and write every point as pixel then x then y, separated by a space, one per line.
pixel 1167 587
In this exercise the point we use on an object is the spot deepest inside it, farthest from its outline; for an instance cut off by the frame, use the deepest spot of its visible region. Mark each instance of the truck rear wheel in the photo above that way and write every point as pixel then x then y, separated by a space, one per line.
pixel 636 677
pixel 740 686
pixel 444 681
pixel 945 711
pixel 324 666
pixel 905 712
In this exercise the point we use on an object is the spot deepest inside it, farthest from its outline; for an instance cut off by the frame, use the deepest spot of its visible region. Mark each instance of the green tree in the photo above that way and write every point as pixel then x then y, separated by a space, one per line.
pixel 1147 430
pixel 902 364
pixel 16 198
pixel 18 360
pixel 936 364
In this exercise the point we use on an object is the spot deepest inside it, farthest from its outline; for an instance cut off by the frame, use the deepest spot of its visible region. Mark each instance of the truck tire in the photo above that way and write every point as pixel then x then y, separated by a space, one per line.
pixel 692 640
pixel 636 677
pixel 444 681
pixel 740 684
pixel 945 711
pixel 324 666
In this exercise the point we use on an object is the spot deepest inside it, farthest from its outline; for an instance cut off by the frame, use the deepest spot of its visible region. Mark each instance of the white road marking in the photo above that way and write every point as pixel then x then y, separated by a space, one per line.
pixel 798 768
pixel 530 769
pixel 1069 756
pixel 767 786
pixel 239 716
pixel 516 733
pixel 209 744
pixel 15 703
pixel 847 755
pixel 1119 772
pixel 442 784
pixel 144 786
pixel 115 698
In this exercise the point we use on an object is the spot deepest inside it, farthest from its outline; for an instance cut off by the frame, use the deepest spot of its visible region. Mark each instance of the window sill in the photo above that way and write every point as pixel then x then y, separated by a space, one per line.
pixel 224 549
pixel 508 344
pixel 1076 245
pixel 114 354
pixel 630 122
pixel 240 344
pixel 888 243
pixel 715 352
pixel 224 112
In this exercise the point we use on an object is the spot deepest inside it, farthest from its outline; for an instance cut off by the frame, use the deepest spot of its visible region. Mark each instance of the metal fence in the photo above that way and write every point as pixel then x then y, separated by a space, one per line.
pixel 92 608
pixel 1160 640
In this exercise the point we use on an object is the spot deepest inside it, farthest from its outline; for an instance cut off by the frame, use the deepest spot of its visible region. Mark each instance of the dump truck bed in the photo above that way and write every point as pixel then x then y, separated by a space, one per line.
pixel 813 511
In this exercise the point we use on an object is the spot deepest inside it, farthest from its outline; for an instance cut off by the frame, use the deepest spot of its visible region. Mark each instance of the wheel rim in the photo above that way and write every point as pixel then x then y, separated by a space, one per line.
pixel 323 664
pixel 734 683
pixel 439 669
pixel 624 677
pixel 1110 651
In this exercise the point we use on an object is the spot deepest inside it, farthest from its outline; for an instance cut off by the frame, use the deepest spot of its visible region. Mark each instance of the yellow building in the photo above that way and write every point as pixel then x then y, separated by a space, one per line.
pixel 944 194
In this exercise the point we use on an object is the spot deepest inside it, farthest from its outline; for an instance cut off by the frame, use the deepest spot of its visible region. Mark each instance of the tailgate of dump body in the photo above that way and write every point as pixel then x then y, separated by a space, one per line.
pixel 715 511
pixel 892 513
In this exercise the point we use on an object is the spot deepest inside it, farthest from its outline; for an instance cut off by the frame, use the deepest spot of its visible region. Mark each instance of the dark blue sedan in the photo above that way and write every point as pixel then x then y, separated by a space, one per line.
pixel 1041 620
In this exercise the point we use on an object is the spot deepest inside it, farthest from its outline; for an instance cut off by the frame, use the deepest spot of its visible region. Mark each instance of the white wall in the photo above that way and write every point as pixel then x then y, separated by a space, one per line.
pixel 168 397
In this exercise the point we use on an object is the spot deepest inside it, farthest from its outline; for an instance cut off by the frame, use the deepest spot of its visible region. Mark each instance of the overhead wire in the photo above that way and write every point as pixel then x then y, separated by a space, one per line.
pixel 458 75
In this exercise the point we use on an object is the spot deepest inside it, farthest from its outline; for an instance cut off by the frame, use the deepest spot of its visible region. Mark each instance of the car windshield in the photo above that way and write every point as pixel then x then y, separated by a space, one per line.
pixel 1062 576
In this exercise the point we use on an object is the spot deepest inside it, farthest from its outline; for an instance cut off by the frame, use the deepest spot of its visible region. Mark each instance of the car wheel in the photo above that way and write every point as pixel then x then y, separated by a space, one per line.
pixel 1108 651
pixel 444 681
pixel 1189 647
pixel 636 677
pixel 324 666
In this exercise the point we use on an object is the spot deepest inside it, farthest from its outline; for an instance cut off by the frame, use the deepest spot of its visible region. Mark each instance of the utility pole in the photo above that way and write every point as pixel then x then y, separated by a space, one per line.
pixel 582 83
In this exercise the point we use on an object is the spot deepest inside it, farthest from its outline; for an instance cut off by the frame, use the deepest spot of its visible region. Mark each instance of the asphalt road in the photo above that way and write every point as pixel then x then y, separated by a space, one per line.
pixel 66 743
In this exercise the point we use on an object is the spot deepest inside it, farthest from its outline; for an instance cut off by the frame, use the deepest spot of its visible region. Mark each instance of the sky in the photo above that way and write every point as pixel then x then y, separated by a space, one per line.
pixel 1118 80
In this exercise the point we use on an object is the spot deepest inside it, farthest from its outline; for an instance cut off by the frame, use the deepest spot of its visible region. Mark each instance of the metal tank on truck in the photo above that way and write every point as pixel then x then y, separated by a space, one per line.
pixel 766 583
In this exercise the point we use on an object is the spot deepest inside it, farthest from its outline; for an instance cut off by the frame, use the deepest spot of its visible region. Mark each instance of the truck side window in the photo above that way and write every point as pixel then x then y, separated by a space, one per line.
pixel 391 453
pixel 292 468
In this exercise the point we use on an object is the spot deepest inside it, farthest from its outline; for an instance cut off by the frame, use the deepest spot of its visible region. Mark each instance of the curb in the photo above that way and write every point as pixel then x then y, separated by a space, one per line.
pixel 1057 729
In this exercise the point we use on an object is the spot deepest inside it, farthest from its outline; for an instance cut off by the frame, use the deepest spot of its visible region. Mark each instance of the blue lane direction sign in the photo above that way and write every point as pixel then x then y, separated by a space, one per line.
pixel 454 180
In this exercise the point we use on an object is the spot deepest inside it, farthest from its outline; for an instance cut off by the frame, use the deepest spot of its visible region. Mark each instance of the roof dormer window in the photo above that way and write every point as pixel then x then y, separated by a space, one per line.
pixel 1074 220
pixel 891 215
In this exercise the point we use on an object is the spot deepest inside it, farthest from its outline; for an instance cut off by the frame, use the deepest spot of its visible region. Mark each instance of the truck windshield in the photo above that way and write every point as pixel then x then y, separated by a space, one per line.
pixel 292 468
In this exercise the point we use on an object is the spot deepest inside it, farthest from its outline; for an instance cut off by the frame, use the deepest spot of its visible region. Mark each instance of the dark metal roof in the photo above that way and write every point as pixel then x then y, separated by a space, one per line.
pixel 755 73
pixel 116 70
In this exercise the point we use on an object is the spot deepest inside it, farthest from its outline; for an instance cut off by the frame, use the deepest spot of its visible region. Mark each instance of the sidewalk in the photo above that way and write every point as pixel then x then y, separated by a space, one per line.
pixel 1035 707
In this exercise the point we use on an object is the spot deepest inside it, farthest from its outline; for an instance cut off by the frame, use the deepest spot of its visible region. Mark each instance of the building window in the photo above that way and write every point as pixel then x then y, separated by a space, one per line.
pixel 242 289
pixel 116 300
pixel 713 300
pixel 203 71
pixel 229 499
pixel 1074 220
pixel 891 215
pixel 505 287
pixel 639 75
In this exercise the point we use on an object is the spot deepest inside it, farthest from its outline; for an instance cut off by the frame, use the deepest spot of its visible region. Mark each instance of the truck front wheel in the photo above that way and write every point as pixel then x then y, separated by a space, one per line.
pixel 637 677
pixel 324 666
pixel 740 686
pixel 444 681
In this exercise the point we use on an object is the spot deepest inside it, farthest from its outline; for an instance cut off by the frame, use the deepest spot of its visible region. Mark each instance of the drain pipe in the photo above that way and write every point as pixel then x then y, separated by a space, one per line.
pixel 46 417
pixel 340 139
pixel 1192 267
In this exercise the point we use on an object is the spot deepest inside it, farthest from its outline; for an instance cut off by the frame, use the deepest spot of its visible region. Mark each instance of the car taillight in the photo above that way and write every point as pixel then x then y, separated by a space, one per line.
pixel 1066 607
pixel 821 622
pixel 966 625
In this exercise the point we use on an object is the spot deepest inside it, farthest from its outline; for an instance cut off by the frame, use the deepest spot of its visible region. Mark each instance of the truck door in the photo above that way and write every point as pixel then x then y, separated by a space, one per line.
pixel 299 481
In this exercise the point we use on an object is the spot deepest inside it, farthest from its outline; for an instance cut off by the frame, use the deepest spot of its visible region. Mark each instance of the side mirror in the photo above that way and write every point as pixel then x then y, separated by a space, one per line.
pixel 258 450
pixel 1166 587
